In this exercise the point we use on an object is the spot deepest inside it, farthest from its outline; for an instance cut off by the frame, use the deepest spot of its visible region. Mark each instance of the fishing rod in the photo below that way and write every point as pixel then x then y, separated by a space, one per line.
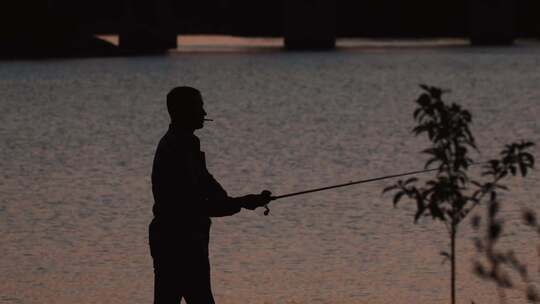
pixel 363 181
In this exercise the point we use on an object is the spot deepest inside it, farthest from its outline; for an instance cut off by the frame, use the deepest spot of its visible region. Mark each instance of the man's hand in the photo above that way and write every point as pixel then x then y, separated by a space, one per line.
pixel 252 201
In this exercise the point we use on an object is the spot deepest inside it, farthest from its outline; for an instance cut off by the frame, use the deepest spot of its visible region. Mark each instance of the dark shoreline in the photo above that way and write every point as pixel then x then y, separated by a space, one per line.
pixel 80 47
pixel 91 46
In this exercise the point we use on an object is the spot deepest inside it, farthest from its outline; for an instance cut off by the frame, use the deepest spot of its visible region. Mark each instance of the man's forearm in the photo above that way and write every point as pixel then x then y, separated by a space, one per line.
pixel 226 206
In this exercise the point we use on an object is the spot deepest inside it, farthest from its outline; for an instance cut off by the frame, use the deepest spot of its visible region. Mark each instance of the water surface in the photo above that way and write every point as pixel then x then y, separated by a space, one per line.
pixel 78 137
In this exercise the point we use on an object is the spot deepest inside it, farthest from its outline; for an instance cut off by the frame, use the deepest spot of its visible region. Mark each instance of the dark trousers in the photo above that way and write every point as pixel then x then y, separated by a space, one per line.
pixel 181 269
pixel 172 283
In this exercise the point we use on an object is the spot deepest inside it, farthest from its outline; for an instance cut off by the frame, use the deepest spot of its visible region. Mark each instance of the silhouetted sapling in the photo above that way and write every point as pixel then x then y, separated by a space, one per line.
pixel 497 265
pixel 451 195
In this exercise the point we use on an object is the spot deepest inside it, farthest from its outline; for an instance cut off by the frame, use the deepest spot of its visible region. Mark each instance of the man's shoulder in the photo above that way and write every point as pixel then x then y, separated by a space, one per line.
pixel 163 144
pixel 177 144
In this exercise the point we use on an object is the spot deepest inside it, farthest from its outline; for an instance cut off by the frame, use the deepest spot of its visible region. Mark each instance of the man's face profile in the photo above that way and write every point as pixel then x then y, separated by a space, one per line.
pixel 186 108
pixel 198 114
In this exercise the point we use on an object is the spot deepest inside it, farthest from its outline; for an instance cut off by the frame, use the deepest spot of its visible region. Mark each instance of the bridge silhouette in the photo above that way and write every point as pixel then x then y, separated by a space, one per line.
pixel 307 25
pixel 312 24
pixel 153 25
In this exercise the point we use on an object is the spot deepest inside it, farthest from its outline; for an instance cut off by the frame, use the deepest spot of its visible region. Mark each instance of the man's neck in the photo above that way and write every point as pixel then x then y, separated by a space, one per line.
pixel 180 129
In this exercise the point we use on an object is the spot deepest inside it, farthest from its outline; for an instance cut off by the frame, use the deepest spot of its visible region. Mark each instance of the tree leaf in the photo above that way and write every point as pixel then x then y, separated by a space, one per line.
pixel 397 197
pixel 527 158
pixel 420 208
pixel 532 294
pixel 411 180
pixel 523 169
pixel 529 217
pixel 495 230
pixel 480 270
pixel 528 144
pixel 475 222
pixel 503 187
pixel 424 100
pixel 424 87
pixel 445 255
pixel 390 188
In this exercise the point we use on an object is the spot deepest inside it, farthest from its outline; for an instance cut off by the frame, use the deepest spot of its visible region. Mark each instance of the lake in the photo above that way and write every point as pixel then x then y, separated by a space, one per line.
pixel 78 138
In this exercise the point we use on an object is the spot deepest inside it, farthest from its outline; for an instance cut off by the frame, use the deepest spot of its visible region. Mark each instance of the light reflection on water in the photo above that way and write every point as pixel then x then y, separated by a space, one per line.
pixel 223 43
pixel 78 138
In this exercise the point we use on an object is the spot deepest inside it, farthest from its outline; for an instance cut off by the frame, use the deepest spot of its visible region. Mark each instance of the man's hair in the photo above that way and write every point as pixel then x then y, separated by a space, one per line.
pixel 181 101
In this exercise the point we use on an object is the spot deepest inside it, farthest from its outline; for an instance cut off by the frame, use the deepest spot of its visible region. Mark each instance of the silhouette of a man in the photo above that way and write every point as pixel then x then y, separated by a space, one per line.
pixel 186 195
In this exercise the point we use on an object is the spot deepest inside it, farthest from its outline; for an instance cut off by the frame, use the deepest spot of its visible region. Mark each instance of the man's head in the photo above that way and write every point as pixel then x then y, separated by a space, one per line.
pixel 185 106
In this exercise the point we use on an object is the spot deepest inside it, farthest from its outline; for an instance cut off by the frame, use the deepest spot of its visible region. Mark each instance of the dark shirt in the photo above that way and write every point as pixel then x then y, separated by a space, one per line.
pixel 186 195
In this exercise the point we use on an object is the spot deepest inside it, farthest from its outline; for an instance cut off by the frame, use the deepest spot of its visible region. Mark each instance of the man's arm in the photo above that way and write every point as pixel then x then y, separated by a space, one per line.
pixel 218 203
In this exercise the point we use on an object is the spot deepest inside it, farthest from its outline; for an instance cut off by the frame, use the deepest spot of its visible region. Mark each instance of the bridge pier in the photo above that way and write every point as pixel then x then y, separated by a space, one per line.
pixel 147 27
pixel 491 22
pixel 310 24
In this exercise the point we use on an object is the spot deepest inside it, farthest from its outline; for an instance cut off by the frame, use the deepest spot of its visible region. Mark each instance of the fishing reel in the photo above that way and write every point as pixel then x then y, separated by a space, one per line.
pixel 266 208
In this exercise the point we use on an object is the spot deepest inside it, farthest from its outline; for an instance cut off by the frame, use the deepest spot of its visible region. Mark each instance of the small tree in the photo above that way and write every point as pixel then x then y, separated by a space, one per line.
pixel 446 197
pixel 496 265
